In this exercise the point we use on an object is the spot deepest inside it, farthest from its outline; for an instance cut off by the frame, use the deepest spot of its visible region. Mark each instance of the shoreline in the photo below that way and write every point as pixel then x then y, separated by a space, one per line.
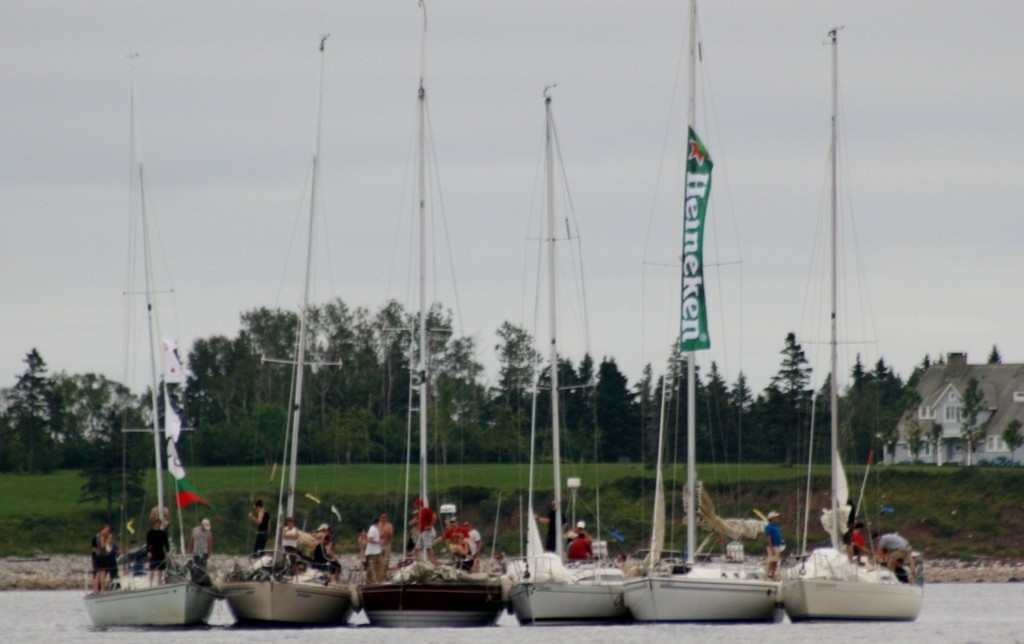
pixel 72 572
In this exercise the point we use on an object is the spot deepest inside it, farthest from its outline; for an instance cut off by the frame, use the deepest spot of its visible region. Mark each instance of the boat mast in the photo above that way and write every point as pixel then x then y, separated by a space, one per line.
pixel 833 380
pixel 151 323
pixel 691 371
pixel 300 358
pixel 556 453
pixel 421 180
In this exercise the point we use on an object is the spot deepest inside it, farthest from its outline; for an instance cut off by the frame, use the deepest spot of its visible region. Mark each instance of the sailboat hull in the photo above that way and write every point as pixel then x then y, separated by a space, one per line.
pixel 180 604
pixel 276 602
pixel 822 599
pixel 428 605
pixel 569 604
pixel 680 598
pixel 827 586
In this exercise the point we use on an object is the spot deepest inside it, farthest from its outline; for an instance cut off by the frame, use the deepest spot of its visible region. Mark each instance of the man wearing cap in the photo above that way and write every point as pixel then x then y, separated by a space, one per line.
pixel 581 547
pixel 773 535
pixel 200 545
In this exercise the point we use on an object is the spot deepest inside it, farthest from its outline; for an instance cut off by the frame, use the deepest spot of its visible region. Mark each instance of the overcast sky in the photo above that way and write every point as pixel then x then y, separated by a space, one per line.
pixel 931 104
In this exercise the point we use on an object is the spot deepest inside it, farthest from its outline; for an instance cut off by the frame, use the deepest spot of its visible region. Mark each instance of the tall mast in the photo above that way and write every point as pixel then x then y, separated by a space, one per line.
pixel 300 358
pixel 834 380
pixel 691 371
pixel 421 180
pixel 151 323
pixel 556 453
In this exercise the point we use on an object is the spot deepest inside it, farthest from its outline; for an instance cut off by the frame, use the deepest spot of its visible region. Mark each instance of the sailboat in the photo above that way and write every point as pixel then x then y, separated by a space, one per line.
pixel 423 594
pixel 546 592
pixel 729 590
pixel 269 593
pixel 186 597
pixel 826 585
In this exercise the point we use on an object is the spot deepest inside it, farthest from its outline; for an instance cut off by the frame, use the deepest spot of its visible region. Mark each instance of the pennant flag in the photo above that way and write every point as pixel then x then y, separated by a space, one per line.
pixel 693 332
pixel 131 526
pixel 174 465
pixel 172 422
pixel 173 373
pixel 334 511
pixel 188 494
pixel 309 495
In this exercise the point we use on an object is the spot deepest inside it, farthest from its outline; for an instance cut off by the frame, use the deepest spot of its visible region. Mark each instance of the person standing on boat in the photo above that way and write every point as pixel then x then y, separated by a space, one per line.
pixel 425 519
pixel 100 551
pixel 290 536
pixel 373 553
pixel 773 535
pixel 158 544
pixel 553 530
pixel 200 545
pixel 262 520
pixel 387 534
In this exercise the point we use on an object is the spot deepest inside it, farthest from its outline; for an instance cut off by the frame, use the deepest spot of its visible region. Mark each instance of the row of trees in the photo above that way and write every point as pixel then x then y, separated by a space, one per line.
pixel 358 402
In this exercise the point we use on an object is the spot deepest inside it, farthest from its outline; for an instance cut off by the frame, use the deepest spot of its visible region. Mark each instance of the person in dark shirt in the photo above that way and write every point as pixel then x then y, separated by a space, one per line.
pixel 553 528
pixel 262 520
pixel 158 544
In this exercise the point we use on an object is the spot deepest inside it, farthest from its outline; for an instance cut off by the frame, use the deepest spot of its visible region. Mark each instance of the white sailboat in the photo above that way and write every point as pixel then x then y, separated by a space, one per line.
pixel 826 585
pixel 546 592
pixel 709 591
pixel 423 594
pixel 268 593
pixel 134 601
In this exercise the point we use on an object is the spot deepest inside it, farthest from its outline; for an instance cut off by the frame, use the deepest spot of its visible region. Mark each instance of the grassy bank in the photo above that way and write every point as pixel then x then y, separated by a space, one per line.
pixel 958 512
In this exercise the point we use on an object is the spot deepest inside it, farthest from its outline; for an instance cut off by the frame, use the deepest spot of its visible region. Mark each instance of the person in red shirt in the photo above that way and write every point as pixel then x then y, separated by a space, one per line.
pixel 581 548
pixel 425 518
pixel 857 545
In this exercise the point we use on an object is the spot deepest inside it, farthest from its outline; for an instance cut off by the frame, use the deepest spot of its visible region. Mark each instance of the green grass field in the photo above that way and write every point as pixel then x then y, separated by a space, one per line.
pixel 949 511
pixel 60 492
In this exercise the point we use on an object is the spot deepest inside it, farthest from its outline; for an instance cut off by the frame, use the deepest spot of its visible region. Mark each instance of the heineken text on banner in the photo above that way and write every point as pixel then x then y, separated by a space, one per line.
pixel 693 329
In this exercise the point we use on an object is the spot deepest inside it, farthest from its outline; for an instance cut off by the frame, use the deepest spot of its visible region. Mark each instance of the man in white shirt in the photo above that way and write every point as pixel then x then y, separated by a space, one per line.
pixel 374 551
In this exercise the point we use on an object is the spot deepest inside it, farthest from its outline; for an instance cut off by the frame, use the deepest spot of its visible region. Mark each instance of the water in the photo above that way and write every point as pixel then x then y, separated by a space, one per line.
pixel 952 613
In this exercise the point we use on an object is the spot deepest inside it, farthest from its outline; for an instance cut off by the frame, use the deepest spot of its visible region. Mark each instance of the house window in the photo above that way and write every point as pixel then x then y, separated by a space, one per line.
pixel 1018 396
pixel 952 414
pixel 925 412
pixel 927 449
pixel 995 444
pixel 952 396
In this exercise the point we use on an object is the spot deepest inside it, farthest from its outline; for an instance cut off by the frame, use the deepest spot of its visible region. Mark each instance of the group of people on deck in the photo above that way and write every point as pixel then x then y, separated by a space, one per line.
pixel 106 561
pixel 891 549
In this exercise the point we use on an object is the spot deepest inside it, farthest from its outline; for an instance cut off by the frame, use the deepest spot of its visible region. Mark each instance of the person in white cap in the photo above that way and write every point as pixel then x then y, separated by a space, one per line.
pixel 581 548
pixel 773 535
pixel 200 545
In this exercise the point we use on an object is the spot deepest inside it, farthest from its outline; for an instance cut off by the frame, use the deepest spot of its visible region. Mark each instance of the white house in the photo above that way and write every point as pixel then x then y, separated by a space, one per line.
pixel 937 424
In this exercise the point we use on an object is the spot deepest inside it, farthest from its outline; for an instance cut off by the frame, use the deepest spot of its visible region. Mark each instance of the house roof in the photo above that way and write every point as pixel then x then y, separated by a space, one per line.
pixel 997 383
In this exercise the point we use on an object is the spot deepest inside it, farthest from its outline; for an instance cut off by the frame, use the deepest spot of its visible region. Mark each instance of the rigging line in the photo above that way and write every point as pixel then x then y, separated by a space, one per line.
pixel 444 216
pixel 576 249
pixel 300 217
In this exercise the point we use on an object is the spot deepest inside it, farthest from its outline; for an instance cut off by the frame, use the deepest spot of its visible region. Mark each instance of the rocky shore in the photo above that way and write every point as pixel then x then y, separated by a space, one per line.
pixel 71 572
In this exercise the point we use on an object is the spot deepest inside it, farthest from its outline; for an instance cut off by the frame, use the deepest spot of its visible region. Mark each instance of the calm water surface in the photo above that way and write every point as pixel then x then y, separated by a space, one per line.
pixel 952 613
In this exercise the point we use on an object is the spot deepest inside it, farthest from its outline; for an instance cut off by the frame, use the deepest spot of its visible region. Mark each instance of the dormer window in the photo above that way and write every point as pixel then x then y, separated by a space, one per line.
pixel 1018 396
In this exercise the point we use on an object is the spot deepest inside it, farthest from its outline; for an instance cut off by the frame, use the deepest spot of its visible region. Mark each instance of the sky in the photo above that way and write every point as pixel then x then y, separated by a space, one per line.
pixel 226 94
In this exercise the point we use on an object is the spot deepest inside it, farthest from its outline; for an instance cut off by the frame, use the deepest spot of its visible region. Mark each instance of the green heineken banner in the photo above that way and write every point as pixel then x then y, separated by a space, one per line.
pixel 693 330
